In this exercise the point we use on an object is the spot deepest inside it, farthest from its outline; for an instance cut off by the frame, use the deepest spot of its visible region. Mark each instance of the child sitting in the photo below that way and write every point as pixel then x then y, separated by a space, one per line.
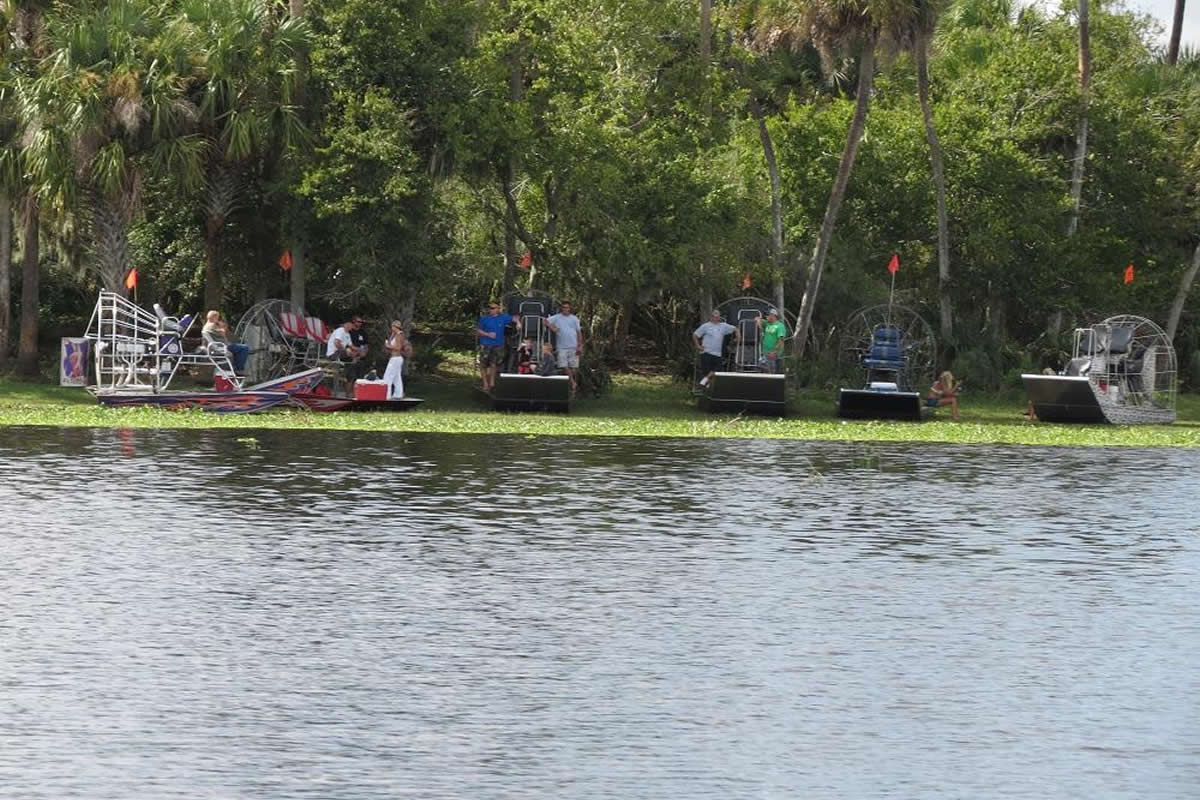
pixel 525 357
pixel 548 365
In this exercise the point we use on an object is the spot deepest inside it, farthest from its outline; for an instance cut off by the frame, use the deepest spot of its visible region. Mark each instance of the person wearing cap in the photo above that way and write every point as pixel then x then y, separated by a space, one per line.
pixel 774 331
pixel 490 332
pixel 710 341
pixel 568 339
pixel 398 348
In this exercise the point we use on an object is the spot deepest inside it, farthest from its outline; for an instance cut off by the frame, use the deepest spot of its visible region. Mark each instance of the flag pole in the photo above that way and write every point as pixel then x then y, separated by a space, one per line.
pixel 891 296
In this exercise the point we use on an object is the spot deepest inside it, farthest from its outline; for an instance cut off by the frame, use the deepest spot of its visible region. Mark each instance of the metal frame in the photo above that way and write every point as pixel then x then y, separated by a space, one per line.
pixel 138 352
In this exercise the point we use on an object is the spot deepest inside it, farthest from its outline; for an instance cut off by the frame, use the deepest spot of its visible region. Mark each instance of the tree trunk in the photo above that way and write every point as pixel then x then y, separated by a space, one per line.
pixel 1176 31
pixel 5 275
pixel 27 353
pixel 298 274
pixel 1185 288
pixel 1081 138
pixel 939 189
pixel 214 288
pixel 764 136
pixel 706 53
pixel 111 241
pixel 511 259
pixel 516 89
pixel 866 79
pixel 621 329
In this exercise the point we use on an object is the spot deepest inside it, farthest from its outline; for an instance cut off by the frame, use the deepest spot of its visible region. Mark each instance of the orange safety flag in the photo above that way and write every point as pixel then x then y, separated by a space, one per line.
pixel 285 260
pixel 894 264
pixel 527 259
pixel 1129 274
pixel 746 281
pixel 131 279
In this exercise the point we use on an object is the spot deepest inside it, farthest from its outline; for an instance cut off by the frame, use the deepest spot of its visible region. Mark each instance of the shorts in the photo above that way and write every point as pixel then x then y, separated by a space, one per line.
pixel 491 356
pixel 568 358
pixel 710 363
pixel 932 402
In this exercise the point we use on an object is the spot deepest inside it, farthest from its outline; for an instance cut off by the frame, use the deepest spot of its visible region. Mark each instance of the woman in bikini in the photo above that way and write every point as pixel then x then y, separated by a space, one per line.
pixel 944 392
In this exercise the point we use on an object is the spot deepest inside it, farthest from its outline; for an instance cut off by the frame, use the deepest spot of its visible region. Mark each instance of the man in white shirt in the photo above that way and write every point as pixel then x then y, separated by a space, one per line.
pixel 340 347
pixel 710 341
pixel 568 339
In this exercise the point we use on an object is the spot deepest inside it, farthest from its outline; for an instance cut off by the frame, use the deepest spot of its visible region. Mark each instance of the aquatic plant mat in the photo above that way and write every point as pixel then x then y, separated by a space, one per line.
pixel 637 406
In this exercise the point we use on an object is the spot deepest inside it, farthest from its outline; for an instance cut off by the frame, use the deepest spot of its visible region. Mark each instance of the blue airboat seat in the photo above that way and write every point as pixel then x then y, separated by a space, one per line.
pixel 886 352
pixel 168 342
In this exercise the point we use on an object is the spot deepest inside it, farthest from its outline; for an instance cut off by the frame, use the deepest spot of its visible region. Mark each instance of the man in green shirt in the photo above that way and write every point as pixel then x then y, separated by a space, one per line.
pixel 773 334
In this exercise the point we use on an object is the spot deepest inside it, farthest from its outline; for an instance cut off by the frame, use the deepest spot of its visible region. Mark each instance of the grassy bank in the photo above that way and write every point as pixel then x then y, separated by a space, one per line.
pixel 637 406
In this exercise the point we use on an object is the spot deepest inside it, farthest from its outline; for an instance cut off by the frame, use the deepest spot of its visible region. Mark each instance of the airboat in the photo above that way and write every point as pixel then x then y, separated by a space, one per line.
pixel 748 382
pixel 1122 371
pixel 894 350
pixel 283 339
pixel 139 354
pixel 517 391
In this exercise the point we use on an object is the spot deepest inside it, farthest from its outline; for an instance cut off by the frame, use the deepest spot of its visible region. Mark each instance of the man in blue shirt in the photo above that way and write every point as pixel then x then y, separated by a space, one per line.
pixel 490 333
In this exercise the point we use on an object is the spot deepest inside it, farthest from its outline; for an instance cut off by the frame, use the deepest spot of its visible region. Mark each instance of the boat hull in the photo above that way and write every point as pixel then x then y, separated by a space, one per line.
pixel 1078 399
pixel 516 392
pixel 297 382
pixel 871 404
pixel 745 392
pixel 219 402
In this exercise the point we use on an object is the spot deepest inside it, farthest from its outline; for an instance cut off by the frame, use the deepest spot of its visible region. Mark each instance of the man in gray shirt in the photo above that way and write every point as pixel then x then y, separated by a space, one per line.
pixel 568 339
pixel 710 341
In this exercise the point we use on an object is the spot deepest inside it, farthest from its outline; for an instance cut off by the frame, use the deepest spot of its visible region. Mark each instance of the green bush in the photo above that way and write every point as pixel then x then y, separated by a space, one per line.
pixel 593 376
pixel 427 357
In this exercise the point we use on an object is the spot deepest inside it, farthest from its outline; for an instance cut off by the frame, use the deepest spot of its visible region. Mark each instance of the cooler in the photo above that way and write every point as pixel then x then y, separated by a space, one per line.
pixel 370 390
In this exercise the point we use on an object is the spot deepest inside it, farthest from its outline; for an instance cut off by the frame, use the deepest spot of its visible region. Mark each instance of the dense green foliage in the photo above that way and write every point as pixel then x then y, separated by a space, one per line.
pixel 417 149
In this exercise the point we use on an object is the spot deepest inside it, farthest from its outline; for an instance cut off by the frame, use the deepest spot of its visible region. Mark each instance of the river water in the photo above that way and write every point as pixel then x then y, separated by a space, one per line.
pixel 232 614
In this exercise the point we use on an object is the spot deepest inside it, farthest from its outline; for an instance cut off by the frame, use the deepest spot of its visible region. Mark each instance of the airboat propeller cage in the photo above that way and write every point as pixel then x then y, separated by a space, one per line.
pixel 896 350
pixel 280 339
pixel 1122 370
pixel 744 386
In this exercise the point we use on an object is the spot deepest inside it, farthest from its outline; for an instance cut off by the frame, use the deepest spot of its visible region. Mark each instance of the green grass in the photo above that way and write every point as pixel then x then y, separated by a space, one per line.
pixel 637 406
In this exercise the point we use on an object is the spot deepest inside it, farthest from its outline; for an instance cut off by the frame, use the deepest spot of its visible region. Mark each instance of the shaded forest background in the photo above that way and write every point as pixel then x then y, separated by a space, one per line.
pixel 644 158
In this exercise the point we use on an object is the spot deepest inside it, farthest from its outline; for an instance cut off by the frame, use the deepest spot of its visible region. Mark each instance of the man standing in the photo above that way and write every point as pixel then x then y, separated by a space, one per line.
pixel 341 348
pixel 490 333
pixel 568 339
pixel 710 341
pixel 773 334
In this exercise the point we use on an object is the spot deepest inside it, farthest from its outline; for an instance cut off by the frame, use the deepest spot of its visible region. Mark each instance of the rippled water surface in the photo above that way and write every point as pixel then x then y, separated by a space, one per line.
pixel 220 614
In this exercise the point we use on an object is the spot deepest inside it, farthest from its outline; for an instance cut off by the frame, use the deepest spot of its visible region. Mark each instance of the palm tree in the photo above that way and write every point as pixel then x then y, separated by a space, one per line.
pixel 245 104
pixel 914 31
pixel 109 104
pixel 10 183
pixel 832 26
pixel 23 45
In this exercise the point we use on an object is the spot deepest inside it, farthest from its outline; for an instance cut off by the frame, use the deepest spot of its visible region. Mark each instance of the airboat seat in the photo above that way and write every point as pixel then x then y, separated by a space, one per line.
pixel 886 352
pixel 292 325
pixel 746 353
pixel 1078 366
pixel 1085 341
pixel 1119 340
pixel 317 330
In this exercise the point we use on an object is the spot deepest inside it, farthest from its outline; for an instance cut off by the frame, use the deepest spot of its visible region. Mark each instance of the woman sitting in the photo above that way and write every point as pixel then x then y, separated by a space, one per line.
pixel 398 348
pixel 944 392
